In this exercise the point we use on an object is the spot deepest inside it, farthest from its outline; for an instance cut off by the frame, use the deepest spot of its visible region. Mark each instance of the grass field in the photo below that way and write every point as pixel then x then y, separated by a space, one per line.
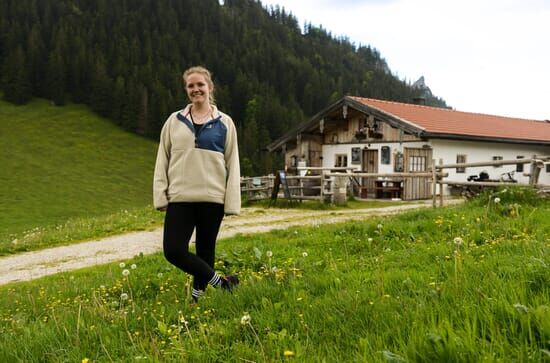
pixel 65 162
pixel 464 284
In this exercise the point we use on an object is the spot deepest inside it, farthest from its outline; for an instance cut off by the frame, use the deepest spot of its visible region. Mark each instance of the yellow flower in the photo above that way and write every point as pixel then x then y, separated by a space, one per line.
pixel 289 353
pixel 85 360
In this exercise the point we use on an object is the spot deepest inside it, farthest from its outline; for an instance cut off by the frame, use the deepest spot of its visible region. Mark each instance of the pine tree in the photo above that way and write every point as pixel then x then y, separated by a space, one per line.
pixel 16 81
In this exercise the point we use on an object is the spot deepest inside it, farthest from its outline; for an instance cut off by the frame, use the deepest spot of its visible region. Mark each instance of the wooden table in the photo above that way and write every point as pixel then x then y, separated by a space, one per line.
pixel 388 188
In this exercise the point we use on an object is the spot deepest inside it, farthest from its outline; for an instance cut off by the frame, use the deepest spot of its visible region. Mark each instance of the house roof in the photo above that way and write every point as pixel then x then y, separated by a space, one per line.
pixel 434 122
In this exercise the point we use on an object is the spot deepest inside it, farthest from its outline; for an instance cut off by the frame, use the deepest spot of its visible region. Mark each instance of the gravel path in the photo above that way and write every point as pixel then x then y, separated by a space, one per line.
pixel 32 265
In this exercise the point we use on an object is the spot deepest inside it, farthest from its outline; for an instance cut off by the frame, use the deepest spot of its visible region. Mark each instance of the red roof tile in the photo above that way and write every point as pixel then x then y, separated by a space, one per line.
pixel 445 121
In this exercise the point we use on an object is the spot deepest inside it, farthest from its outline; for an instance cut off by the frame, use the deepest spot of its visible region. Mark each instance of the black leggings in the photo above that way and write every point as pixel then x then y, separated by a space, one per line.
pixel 180 221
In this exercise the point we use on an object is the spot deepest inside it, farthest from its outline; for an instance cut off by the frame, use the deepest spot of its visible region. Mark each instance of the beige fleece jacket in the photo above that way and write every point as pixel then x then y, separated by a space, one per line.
pixel 185 172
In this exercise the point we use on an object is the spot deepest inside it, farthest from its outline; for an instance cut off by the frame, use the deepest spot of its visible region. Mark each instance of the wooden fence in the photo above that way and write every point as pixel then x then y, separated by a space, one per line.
pixel 329 183
pixel 537 164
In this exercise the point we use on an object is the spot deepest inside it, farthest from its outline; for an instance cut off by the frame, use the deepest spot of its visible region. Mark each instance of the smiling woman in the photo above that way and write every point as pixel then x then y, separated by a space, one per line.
pixel 197 181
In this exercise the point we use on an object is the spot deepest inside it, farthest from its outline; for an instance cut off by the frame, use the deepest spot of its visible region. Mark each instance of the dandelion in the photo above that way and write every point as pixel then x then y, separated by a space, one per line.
pixel 269 254
pixel 159 275
pixel 379 226
pixel 245 319
pixel 85 360
pixel 125 273
pixel 521 308
pixel 124 296
pixel 134 266
pixel 304 254
pixel 387 249
pixel 288 353
pixel 458 241
pixel 369 239
pixel 122 265
pixel 497 200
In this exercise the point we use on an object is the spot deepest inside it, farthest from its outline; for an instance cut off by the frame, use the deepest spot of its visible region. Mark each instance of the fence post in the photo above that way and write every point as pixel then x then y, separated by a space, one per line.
pixel 441 184
pixel 434 186
pixel 340 189
pixel 322 184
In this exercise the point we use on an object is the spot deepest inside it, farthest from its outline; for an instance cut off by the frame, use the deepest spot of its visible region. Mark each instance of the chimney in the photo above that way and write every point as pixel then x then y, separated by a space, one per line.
pixel 419 101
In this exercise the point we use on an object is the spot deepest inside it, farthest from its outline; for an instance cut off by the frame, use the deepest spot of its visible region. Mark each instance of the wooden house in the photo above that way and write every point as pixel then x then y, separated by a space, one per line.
pixel 376 136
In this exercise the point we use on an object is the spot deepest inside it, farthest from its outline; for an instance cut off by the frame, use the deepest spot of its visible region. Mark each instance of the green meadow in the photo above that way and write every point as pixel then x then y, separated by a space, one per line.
pixel 468 283
pixel 62 165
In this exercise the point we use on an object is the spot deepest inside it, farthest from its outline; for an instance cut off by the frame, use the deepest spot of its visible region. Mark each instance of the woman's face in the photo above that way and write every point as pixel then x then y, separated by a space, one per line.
pixel 197 88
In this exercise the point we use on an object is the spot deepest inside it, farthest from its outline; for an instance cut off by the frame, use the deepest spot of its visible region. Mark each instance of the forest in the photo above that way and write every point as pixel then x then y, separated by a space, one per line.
pixel 124 59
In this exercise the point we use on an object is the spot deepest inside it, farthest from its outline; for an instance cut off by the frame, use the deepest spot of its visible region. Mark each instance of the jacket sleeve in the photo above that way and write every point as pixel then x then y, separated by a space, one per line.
pixel 233 186
pixel 160 179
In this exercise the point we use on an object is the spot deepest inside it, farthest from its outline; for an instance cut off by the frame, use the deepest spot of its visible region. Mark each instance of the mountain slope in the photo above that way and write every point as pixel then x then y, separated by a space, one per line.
pixel 61 162
pixel 125 59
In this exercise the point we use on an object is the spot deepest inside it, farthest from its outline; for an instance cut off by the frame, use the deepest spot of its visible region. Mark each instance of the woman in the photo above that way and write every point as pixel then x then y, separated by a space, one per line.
pixel 197 181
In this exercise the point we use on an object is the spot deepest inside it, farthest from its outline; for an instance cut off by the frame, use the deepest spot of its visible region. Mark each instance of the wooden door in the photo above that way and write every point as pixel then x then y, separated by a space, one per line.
pixel 369 164
pixel 417 160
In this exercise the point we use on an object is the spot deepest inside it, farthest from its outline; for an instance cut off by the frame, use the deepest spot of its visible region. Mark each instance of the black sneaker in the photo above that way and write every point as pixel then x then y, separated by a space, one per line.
pixel 230 282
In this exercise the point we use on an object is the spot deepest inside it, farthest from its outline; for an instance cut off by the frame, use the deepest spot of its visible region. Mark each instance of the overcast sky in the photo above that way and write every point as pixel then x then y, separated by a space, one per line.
pixel 486 56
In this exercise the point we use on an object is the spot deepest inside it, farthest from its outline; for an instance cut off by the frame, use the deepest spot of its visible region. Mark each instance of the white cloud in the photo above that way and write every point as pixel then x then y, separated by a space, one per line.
pixel 486 56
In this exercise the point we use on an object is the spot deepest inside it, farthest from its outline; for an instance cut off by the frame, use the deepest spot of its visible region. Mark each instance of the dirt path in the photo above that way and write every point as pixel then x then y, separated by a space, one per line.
pixel 32 265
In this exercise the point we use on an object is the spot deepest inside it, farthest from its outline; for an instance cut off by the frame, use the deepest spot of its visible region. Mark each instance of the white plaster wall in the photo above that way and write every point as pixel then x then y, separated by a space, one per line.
pixel 329 152
pixel 448 150
pixel 484 151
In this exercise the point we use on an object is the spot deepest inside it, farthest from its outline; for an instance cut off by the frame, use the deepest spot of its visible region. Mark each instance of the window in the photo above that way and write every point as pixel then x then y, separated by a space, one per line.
pixel 356 155
pixel 417 163
pixel 461 159
pixel 386 156
pixel 519 167
pixel 398 162
pixel 497 158
pixel 340 160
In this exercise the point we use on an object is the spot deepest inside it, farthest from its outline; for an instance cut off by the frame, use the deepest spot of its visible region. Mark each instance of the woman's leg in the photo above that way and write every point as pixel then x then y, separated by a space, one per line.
pixel 179 222
pixel 209 218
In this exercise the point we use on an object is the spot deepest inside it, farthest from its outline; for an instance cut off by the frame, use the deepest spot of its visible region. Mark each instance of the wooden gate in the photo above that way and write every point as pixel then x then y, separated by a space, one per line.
pixel 417 160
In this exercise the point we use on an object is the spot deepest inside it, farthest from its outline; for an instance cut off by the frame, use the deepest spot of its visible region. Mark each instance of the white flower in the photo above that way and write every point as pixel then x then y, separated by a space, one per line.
pixel 304 254
pixel 369 239
pixel 245 319
pixel 521 308
pixel 497 200
pixel 125 272
pixel 134 266
pixel 379 226
pixel 387 249
pixel 269 254
pixel 124 296
pixel 274 269
pixel 458 241
pixel 122 265
pixel 159 275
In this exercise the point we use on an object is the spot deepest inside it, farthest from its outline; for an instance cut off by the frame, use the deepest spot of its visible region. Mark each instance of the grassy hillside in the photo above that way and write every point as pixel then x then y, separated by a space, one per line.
pixel 463 284
pixel 63 162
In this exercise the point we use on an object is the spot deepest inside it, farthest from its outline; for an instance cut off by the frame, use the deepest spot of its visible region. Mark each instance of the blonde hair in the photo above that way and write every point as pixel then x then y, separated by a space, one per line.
pixel 206 73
